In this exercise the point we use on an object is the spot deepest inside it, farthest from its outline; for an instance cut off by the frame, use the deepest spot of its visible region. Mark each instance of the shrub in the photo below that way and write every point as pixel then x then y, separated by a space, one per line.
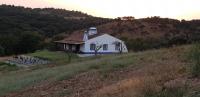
pixel 137 44
pixel 194 56
pixel 140 44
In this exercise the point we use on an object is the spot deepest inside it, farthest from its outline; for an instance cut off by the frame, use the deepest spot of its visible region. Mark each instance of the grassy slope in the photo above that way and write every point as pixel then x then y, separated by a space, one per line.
pixel 18 80
pixel 59 58
pixel 4 67
pixel 55 57
pixel 155 66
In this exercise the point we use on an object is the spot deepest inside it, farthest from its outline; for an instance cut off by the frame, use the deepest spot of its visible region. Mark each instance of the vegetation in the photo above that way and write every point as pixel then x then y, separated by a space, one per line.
pixel 173 92
pixel 157 79
pixel 195 58
pixel 153 73
pixel 5 67
pixel 19 80
pixel 1 50
pixel 42 26
pixel 153 32
pixel 59 58
pixel 21 43
pixel 17 23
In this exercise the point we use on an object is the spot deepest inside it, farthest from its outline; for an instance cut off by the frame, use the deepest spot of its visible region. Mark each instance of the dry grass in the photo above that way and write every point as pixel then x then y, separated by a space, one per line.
pixel 159 68
pixel 14 81
pixel 151 73
pixel 194 56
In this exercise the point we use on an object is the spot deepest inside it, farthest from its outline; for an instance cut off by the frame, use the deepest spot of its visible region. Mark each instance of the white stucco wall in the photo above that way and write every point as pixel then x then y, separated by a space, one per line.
pixel 103 39
pixel 82 47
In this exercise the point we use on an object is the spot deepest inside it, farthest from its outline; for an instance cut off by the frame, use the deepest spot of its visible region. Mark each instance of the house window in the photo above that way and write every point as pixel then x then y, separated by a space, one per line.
pixel 92 46
pixel 117 46
pixel 105 47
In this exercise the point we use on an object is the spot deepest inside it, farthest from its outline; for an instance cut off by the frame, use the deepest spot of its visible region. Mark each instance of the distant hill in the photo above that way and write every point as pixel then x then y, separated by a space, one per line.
pixel 61 12
pixel 14 10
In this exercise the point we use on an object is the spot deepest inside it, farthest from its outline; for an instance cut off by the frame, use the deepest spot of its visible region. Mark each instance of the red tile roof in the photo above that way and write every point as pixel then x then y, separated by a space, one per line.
pixel 76 38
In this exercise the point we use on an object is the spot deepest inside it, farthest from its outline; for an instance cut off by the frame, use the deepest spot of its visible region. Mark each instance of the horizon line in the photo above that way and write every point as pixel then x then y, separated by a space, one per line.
pixel 111 17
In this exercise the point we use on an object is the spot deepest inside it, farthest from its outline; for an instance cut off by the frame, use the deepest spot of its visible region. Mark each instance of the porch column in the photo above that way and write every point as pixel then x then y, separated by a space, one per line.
pixel 64 48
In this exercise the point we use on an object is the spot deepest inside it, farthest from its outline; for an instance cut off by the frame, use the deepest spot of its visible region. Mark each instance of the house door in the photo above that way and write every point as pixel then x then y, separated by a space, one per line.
pixel 77 48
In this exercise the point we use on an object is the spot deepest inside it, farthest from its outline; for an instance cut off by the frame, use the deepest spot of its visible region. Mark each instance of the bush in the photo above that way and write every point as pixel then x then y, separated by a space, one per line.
pixel 140 44
pixel 194 56
pixel 137 44
pixel 29 42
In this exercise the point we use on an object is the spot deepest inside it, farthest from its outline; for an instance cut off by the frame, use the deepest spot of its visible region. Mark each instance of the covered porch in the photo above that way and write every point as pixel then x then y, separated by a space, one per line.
pixel 69 46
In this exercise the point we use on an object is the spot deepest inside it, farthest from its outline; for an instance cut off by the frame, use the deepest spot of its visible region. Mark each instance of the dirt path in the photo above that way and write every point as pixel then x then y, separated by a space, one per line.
pixel 5 58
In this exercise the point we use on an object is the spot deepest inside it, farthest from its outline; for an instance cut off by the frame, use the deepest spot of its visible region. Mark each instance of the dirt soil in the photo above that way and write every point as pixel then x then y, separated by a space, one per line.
pixel 5 58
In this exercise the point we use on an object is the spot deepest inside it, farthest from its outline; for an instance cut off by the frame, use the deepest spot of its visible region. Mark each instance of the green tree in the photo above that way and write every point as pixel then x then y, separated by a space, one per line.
pixel 29 42
pixel 9 43
pixel 2 52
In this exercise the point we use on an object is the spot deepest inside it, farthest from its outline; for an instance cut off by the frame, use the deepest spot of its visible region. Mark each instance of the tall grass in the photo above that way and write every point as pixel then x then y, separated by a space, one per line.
pixel 194 56
pixel 59 58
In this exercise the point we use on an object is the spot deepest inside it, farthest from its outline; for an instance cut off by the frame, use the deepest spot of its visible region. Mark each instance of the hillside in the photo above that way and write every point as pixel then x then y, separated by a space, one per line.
pixel 154 32
pixel 153 73
pixel 47 21
pixel 38 25
pixel 27 29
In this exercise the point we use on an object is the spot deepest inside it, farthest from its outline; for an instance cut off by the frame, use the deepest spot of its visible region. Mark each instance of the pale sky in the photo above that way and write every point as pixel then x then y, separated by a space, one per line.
pixel 179 9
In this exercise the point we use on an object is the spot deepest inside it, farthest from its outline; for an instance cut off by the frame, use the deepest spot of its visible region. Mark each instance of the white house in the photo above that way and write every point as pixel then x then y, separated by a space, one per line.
pixel 91 42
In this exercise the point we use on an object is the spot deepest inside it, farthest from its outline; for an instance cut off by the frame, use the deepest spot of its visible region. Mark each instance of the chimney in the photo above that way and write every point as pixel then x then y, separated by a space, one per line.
pixel 92 31
pixel 85 37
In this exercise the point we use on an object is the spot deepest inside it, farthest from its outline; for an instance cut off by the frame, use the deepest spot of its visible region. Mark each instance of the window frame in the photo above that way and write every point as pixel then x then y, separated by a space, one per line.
pixel 105 47
pixel 92 46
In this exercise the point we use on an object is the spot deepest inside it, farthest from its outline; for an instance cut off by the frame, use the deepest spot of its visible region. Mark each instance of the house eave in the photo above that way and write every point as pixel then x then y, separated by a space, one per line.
pixel 70 42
